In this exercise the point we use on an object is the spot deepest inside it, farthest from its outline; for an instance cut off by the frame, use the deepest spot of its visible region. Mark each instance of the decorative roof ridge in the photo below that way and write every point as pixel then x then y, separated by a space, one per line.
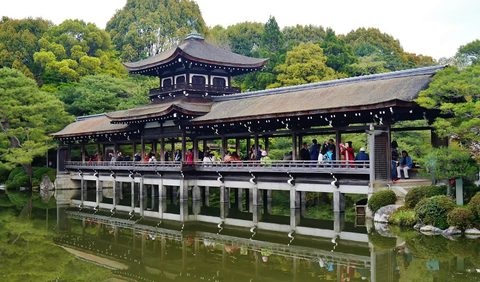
pixel 80 118
pixel 329 83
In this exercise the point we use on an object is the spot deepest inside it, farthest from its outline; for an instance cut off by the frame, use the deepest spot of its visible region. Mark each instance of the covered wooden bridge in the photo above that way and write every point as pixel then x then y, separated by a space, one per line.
pixel 193 106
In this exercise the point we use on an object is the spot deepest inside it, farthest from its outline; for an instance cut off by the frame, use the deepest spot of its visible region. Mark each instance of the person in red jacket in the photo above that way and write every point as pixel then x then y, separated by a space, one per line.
pixel 347 152
pixel 190 157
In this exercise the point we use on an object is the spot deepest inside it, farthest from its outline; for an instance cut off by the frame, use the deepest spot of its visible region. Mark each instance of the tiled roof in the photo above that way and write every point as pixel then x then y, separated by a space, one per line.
pixel 92 124
pixel 198 50
pixel 336 94
pixel 194 106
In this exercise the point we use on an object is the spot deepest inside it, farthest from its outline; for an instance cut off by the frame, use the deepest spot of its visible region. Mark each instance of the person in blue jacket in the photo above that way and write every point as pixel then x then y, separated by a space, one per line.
pixel 405 164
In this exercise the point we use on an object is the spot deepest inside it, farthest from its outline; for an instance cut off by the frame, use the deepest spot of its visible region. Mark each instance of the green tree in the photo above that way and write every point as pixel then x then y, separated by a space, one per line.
pixel 74 49
pixel 272 38
pixel 303 34
pixel 457 94
pixel 304 64
pixel 245 37
pixel 339 54
pixel 451 163
pixel 95 94
pixel 19 41
pixel 469 53
pixel 144 28
pixel 27 115
pixel 368 65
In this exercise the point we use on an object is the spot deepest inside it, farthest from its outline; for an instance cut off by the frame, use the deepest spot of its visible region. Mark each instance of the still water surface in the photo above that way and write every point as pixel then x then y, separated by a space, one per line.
pixel 40 241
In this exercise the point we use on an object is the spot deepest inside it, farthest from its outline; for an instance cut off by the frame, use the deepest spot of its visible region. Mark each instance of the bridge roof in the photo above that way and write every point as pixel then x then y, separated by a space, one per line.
pixel 89 125
pixel 343 95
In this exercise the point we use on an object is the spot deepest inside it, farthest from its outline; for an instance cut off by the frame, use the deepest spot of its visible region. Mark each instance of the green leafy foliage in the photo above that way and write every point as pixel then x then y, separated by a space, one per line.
pixel 474 205
pixel 144 28
pixel 470 53
pixel 457 94
pixel 461 218
pixel 339 54
pixel 74 49
pixel 434 210
pixel 380 199
pixel 451 163
pixel 304 64
pixel 403 217
pixel 27 116
pixel 417 194
pixel 19 42
pixel 95 94
pixel 18 178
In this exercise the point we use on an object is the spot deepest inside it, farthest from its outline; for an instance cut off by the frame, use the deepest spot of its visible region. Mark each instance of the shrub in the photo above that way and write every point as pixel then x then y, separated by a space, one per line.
pixel 403 217
pixel 3 174
pixel 434 210
pixel 474 205
pixel 380 199
pixel 461 218
pixel 416 194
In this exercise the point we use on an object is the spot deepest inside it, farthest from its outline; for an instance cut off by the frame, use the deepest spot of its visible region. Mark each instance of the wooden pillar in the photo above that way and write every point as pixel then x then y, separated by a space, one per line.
pixel 195 149
pixel 100 155
pixel 237 146
pixel 249 145
pixel 294 145
pixel 267 144
pixel 142 148
pixel 162 149
pixel 83 153
pixel 134 146
pixel 389 151
pixel 184 146
pixel 69 153
pixel 154 147
pixel 255 139
pixel 300 143
pixel 338 137
pixel 223 148
pixel 142 196
pixel 204 146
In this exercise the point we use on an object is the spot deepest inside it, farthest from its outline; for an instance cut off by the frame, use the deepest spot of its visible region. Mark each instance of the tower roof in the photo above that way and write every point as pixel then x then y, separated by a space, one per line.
pixel 194 49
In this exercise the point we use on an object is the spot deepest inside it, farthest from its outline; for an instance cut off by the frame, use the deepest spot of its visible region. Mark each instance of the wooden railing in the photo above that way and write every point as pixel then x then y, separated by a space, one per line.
pixel 214 89
pixel 353 167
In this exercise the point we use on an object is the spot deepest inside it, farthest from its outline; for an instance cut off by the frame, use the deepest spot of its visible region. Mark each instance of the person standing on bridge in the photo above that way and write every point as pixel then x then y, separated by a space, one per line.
pixel 304 152
pixel 314 150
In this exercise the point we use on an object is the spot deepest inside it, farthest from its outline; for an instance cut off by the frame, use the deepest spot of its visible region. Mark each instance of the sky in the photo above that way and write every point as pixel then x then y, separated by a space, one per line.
pixel 434 28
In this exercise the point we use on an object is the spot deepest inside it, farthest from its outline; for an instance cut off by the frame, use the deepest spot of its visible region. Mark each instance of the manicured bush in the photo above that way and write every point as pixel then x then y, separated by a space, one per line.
pixel 461 218
pixel 416 194
pixel 474 205
pixel 403 217
pixel 434 211
pixel 380 199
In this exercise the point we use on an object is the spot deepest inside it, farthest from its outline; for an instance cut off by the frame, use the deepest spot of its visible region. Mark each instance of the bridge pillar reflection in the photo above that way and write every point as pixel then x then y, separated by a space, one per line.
pixel 224 201
pixel 183 200
pixel 206 196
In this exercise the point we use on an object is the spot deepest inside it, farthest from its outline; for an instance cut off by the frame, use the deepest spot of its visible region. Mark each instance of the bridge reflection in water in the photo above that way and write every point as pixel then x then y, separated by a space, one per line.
pixel 147 250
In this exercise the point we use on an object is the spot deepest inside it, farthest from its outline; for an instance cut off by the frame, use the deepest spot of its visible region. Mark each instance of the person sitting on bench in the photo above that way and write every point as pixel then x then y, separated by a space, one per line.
pixel 405 164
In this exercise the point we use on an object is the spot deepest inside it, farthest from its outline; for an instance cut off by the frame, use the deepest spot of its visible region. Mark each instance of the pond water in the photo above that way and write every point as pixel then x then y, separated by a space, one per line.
pixel 40 241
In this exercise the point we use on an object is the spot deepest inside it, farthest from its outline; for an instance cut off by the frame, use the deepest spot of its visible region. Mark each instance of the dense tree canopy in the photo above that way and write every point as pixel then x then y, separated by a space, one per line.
pixel 456 93
pixel 144 28
pixel 95 94
pixel 19 42
pixel 304 64
pixel 74 49
pixel 339 54
pixel 469 53
pixel 303 34
pixel 27 115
